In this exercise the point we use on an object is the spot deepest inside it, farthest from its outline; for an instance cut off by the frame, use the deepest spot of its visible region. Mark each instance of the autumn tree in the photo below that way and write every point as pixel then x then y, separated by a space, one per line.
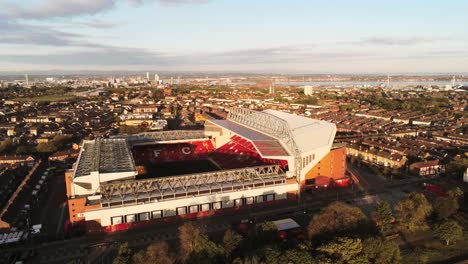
pixel 231 242
pixel 449 232
pixel 336 217
pixel 412 212
pixel 383 216
pixel 195 246
pixel 158 252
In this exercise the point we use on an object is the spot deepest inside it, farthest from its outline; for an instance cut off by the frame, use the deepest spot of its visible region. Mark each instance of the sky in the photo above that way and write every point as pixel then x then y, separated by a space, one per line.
pixel 281 36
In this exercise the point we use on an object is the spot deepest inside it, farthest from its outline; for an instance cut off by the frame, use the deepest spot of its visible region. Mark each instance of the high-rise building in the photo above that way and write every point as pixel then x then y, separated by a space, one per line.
pixel 308 90
pixel 147 76
pixel 156 78
pixel 27 79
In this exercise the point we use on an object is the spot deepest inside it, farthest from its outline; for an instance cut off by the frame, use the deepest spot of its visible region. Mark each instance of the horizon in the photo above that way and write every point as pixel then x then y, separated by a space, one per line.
pixel 222 36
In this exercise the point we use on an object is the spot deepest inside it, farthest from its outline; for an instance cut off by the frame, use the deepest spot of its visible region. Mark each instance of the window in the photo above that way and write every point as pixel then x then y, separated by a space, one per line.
pixel 249 200
pixel 260 199
pixel 116 220
pixel 217 205
pixel 130 218
pixel 205 207
pixel 143 216
pixel 193 209
pixel 156 214
pixel 270 197
pixel 181 210
pixel 238 202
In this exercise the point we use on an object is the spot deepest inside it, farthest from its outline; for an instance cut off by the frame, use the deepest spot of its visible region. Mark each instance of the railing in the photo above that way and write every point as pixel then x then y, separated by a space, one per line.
pixel 148 137
pixel 150 190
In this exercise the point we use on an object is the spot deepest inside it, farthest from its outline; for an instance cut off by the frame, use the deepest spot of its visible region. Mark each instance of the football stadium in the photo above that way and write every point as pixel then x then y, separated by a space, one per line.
pixel 249 159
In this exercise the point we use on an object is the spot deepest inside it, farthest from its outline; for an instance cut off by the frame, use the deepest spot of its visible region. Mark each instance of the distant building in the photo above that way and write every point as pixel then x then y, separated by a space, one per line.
pixel 308 90
pixel 427 168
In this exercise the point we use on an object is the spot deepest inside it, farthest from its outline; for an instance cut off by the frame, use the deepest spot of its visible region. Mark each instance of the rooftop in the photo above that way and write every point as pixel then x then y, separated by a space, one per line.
pixel 104 156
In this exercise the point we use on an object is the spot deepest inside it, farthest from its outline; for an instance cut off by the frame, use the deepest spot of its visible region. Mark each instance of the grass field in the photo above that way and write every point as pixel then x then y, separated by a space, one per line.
pixel 48 98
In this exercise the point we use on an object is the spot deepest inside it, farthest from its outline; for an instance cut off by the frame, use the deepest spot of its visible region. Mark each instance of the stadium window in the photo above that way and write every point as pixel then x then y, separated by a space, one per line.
pixel 181 210
pixel 270 197
pixel 156 214
pixel 228 203
pixel 130 218
pixel 238 202
pixel 260 198
pixel 116 220
pixel 193 209
pixel 217 205
pixel 143 216
pixel 205 207
pixel 249 200
pixel 313 156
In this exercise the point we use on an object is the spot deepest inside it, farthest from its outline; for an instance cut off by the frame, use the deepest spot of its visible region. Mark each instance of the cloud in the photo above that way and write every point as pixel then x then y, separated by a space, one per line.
pixel 48 9
pixel 398 41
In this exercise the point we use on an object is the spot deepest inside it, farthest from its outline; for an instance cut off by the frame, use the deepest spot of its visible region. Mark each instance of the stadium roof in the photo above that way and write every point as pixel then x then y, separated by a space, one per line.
pixel 104 156
pixel 308 134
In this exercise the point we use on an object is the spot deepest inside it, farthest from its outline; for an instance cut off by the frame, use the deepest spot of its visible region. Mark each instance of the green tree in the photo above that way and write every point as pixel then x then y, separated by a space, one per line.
pixel 412 212
pixel 344 249
pixel 336 217
pixel 46 148
pixel 295 256
pixel 231 242
pixel 267 232
pixel 444 207
pixel 379 251
pixel 6 146
pixel 449 231
pixel 123 255
pixel 383 216
pixel 457 166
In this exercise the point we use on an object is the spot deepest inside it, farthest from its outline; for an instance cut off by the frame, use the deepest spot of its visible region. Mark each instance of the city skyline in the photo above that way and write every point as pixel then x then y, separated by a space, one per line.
pixel 217 35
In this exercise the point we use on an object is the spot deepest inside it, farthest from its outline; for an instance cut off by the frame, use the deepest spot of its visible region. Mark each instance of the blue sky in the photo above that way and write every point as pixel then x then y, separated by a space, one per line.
pixel 297 36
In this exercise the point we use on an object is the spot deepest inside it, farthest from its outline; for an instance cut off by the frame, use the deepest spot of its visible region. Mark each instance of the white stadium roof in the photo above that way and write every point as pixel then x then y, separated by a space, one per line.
pixel 308 133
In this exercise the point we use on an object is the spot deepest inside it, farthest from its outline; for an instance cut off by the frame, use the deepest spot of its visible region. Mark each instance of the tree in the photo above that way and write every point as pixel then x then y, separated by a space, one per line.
pixel 297 257
pixel 383 216
pixel 380 251
pixel 123 255
pixel 336 217
pixel 449 231
pixel 344 249
pixel 139 257
pixel 231 241
pixel 188 234
pixel 457 166
pixel 412 212
pixel 444 207
pixel 6 145
pixel 195 246
pixel 267 232
pixel 158 252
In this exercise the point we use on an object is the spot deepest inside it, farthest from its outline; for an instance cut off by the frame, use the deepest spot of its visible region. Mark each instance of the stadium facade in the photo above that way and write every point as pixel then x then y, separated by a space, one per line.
pixel 251 158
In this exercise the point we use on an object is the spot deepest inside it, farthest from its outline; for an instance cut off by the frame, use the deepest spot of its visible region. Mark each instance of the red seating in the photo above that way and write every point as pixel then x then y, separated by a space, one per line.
pixel 241 153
